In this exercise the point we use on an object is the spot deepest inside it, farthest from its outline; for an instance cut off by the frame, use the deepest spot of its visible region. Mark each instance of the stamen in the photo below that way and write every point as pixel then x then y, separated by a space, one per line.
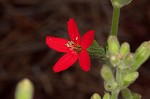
pixel 74 46
pixel 67 45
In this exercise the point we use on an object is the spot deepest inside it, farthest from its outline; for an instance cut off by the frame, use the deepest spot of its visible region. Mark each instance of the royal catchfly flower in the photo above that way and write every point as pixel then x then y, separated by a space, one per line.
pixel 75 48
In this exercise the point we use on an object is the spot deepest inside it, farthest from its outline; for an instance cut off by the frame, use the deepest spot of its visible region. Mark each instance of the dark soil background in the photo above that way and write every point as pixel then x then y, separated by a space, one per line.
pixel 24 24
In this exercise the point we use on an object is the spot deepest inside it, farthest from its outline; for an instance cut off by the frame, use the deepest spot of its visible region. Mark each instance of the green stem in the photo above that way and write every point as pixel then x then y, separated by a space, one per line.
pixel 119 74
pixel 114 95
pixel 115 21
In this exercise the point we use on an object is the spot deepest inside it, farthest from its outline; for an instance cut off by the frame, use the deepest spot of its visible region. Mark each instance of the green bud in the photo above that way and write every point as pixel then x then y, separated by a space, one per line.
pixel 113 45
pixel 126 93
pixel 141 55
pixel 106 96
pixel 136 96
pixel 130 78
pixel 124 49
pixel 141 47
pixel 107 73
pixel 120 3
pixel 128 60
pixel 115 60
pixel 95 96
pixel 111 86
pixel 24 90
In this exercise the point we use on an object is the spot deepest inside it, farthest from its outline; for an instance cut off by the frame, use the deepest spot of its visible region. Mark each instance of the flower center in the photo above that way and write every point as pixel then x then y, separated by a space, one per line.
pixel 74 46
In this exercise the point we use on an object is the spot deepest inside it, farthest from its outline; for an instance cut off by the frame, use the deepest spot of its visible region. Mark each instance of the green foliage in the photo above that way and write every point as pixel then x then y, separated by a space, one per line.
pixel 120 65
pixel 123 69
pixel 96 51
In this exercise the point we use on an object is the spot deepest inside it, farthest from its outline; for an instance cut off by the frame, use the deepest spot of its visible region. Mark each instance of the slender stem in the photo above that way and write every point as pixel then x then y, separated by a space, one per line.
pixel 119 74
pixel 114 95
pixel 115 21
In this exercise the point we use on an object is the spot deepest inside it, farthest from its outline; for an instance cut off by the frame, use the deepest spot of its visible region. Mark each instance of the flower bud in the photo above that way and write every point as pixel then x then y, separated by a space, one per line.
pixel 115 60
pixel 124 49
pixel 113 45
pixel 128 60
pixel 95 96
pixel 141 47
pixel 126 93
pixel 24 90
pixel 111 86
pixel 106 96
pixel 107 73
pixel 130 78
pixel 120 3
pixel 136 96
pixel 141 55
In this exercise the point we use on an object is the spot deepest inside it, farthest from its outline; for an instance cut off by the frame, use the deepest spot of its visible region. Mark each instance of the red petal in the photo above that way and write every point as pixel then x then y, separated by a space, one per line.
pixel 84 60
pixel 87 39
pixel 73 31
pixel 57 44
pixel 65 61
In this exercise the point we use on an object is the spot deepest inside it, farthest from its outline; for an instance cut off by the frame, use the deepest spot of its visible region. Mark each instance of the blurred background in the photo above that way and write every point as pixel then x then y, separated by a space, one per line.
pixel 24 24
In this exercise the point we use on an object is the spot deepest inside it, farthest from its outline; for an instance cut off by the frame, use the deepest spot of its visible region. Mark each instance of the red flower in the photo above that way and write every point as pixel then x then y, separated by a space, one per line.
pixel 75 48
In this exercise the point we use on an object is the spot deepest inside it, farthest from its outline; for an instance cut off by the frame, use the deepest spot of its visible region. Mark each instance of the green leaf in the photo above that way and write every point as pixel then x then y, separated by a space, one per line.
pixel 96 51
